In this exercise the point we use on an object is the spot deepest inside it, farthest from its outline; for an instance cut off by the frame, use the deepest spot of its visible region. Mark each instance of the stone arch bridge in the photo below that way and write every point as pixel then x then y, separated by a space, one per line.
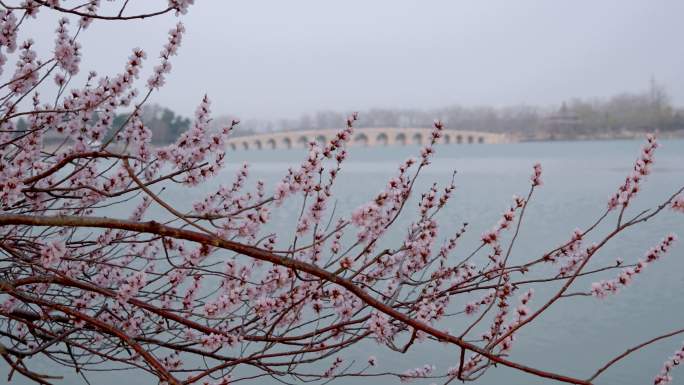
pixel 369 137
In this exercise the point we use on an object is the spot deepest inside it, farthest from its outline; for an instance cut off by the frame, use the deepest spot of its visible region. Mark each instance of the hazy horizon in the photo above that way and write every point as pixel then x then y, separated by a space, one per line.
pixel 269 59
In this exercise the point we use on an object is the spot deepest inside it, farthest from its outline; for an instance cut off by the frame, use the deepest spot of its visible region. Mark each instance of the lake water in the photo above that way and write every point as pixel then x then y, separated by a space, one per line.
pixel 577 335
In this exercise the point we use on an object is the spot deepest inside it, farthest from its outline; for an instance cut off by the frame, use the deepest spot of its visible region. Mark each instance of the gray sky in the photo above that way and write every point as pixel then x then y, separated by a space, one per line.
pixel 276 58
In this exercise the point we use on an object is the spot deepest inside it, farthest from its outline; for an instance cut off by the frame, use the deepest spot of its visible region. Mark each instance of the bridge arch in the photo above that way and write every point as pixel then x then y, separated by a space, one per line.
pixel 257 144
pixel 471 139
pixel 417 138
pixel 287 143
pixel 245 145
pixel 271 143
pixel 303 141
pixel 361 139
pixel 321 140
pixel 382 139
pixel 480 139
pixel 447 139
pixel 401 139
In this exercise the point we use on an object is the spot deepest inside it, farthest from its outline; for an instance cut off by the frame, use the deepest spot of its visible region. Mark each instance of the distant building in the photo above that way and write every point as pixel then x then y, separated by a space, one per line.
pixel 562 123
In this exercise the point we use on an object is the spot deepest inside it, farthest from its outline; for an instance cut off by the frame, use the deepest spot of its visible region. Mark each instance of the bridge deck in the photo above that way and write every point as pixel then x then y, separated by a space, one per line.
pixel 370 137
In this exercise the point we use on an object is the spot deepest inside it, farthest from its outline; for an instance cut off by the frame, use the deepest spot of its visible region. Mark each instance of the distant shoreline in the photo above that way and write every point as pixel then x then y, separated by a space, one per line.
pixel 631 135
pixel 679 134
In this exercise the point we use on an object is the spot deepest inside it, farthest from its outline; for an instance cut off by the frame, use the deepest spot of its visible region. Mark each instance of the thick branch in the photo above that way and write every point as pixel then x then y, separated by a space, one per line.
pixel 153 227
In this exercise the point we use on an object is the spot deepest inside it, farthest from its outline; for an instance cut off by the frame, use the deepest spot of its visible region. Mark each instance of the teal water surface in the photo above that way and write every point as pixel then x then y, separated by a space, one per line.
pixel 574 337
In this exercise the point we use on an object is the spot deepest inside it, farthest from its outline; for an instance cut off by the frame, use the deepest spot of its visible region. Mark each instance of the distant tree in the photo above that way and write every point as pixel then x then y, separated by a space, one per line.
pixel 165 125
pixel 21 124
pixel 626 112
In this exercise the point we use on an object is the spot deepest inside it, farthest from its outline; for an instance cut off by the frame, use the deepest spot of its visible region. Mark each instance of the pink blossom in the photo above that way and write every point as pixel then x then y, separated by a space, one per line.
pixel 172 361
pixel 8 34
pixel 522 311
pixel 8 30
pixel 181 6
pixel 664 376
pixel 67 50
pixel 52 253
pixel 132 326
pixel 26 74
pixel 334 367
pixel 157 79
pixel 214 341
pixel 678 203
pixel 131 286
pixel 420 372
pixel 380 326
pixel 10 187
pixel 603 288
pixel 90 9
pixel 642 167
pixel 9 305
pixel 474 306
pixel 536 175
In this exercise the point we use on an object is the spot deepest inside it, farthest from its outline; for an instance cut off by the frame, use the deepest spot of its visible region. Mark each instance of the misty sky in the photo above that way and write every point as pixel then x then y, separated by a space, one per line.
pixel 275 58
